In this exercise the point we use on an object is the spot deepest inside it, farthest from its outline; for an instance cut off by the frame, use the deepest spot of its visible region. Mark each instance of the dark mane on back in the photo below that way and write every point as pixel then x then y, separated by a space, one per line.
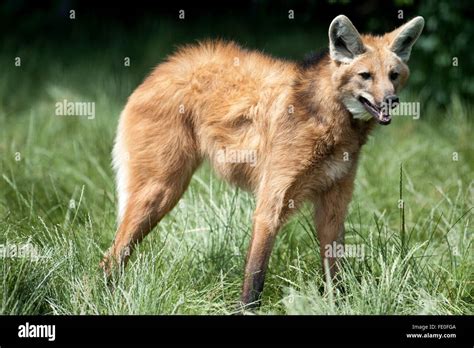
pixel 313 58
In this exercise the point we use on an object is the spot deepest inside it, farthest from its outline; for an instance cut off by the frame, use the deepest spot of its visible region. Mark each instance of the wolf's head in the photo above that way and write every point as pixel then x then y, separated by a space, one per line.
pixel 369 71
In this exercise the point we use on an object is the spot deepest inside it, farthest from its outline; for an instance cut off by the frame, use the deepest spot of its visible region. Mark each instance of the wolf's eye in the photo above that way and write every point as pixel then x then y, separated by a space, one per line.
pixel 394 75
pixel 365 75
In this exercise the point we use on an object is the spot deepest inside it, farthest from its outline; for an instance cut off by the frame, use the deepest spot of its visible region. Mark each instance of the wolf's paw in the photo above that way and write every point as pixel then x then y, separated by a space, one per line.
pixel 106 264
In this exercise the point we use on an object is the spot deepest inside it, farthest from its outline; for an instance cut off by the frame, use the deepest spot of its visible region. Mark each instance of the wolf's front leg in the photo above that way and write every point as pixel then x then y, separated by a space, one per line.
pixel 260 248
pixel 329 213
pixel 269 216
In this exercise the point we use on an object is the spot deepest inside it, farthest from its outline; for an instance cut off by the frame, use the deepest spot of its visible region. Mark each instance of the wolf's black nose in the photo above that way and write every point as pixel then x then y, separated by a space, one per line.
pixel 391 100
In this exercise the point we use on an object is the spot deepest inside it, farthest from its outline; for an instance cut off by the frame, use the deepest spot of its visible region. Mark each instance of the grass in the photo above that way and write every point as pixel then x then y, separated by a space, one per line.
pixel 57 193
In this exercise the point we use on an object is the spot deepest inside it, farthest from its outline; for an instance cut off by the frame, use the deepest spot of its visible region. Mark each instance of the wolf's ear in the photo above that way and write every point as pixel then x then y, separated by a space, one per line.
pixel 345 42
pixel 405 37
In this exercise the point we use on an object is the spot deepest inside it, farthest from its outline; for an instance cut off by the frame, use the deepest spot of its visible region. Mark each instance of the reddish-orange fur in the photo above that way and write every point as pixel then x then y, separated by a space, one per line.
pixel 217 96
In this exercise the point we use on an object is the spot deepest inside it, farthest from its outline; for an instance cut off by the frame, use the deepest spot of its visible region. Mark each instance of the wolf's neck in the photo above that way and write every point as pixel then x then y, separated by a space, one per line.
pixel 317 97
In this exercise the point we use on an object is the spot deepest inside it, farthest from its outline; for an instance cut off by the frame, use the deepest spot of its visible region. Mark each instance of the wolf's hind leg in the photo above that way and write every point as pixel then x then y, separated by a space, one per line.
pixel 144 210
pixel 160 163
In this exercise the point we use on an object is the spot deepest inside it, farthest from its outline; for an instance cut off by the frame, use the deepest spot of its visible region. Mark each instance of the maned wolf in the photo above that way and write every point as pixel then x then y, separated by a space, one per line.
pixel 305 123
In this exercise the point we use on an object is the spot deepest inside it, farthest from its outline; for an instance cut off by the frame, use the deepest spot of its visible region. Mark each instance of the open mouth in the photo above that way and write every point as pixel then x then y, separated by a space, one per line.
pixel 381 114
